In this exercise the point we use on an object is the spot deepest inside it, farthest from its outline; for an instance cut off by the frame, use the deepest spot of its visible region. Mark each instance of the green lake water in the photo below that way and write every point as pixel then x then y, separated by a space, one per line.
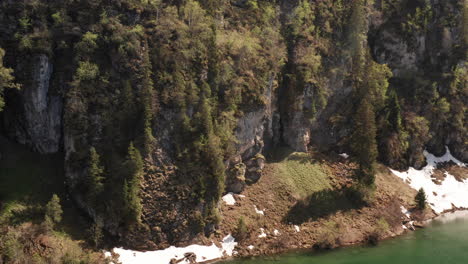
pixel 444 241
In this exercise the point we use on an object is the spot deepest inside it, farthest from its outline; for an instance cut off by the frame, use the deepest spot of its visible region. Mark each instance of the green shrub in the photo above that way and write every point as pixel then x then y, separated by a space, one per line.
pixel 6 78
pixel 86 71
pixel 380 229
pixel 241 231
pixel 198 223
pixel 329 236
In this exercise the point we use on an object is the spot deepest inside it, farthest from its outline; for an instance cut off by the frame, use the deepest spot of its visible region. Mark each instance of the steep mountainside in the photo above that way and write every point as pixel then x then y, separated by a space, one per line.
pixel 160 107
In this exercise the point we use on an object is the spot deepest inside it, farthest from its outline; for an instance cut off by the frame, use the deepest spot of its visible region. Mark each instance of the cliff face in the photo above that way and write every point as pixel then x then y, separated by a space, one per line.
pixel 144 79
pixel 36 119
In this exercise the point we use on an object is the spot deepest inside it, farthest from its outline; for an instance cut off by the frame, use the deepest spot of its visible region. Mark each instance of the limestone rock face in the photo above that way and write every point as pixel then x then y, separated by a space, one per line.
pixel 395 51
pixel 38 122
pixel 256 131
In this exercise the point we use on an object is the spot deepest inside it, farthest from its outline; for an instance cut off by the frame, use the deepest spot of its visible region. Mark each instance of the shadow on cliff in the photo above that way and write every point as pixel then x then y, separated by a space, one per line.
pixel 323 203
pixel 283 153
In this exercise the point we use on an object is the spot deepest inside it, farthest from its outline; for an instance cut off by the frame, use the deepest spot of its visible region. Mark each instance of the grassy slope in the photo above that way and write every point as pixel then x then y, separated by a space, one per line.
pixel 302 175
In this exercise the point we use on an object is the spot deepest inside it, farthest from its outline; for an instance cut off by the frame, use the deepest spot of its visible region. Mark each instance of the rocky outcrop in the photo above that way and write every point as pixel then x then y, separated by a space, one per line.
pixel 235 176
pixel 394 50
pixel 38 120
pixel 255 132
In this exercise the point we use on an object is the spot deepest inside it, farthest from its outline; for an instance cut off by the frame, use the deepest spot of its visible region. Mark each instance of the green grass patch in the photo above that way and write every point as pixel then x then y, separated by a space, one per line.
pixel 302 174
pixel 27 178
pixel 27 182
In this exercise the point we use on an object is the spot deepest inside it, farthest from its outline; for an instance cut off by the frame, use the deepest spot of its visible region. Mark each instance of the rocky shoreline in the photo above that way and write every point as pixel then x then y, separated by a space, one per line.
pixel 415 224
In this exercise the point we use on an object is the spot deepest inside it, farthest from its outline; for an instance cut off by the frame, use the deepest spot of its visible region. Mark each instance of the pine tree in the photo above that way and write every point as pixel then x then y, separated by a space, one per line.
pixel 356 33
pixel 147 102
pixel 53 212
pixel 210 153
pixel 375 81
pixel 392 135
pixel 133 167
pixel 95 232
pixel 420 199
pixel 364 143
pixel 95 177
pixel 394 112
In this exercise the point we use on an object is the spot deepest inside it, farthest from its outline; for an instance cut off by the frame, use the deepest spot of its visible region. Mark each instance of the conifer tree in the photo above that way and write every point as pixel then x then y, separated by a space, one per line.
pixel 95 177
pixel 210 153
pixel 356 33
pixel 364 143
pixel 392 135
pixel 133 167
pixel 95 232
pixel 53 212
pixel 394 112
pixel 420 199
pixel 147 101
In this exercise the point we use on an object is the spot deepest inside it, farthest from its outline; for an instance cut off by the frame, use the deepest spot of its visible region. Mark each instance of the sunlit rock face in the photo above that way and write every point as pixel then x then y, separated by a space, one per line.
pixel 37 119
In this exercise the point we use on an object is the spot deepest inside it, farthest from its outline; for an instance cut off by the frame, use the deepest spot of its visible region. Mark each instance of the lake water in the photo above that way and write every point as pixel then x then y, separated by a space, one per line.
pixel 444 241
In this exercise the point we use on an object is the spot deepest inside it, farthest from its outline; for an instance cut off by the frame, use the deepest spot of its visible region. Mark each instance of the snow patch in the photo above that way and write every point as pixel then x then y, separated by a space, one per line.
pixel 344 155
pixel 439 197
pixel 297 228
pixel 229 199
pixel 108 255
pixel 276 232
pixel 203 253
pixel 228 244
pixel 405 211
pixel 250 247
pixel 259 211
pixel 262 233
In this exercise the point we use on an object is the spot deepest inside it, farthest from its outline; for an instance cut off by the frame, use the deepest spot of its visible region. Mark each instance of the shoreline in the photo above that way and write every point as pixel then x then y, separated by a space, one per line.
pixel 457 213
pixel 267 204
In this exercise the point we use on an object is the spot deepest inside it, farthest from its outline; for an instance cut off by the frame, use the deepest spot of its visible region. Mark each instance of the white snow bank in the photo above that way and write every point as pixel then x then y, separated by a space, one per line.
pixel 440 197
pixel 344 155
pixel 229 199
pixel 433 160
pixel 405 211
pixel 203 253
pixel 262 233
pixel 228 244
pixel 258 211
pixel 297 228
pixel 108 255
